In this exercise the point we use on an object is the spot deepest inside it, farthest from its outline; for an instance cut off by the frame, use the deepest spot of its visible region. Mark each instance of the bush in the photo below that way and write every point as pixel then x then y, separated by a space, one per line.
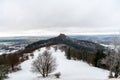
pixel 3 71
pixel 32 55
pixel 57 75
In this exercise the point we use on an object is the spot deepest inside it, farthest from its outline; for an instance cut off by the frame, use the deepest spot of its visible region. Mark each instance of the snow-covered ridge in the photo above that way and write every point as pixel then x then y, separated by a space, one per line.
pixel 70 69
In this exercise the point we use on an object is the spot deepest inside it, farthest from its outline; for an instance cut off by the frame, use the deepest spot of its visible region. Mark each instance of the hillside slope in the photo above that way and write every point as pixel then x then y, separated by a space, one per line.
pixel 63 39
pixel 70 69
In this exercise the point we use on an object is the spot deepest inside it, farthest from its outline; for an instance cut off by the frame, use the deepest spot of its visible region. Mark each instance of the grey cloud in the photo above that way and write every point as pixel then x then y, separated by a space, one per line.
pixel 60 15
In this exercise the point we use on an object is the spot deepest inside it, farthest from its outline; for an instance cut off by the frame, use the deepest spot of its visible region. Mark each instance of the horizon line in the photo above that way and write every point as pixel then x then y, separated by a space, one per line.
pixel 80 34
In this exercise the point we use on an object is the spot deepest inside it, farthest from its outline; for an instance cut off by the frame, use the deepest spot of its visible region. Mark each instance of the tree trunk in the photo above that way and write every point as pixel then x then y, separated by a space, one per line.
pixel 12 66
pixel 116 75
pixel 110 74
pixel 46 74
pixel 43 75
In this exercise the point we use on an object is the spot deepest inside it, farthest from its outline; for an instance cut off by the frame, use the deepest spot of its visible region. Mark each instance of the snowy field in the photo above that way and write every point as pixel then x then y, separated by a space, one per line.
pixel 69 69
pixel 114 79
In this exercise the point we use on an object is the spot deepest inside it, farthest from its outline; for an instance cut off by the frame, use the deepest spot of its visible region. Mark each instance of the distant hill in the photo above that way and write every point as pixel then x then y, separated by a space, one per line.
pixel 101 39
pixel 63 39
pixel 14 40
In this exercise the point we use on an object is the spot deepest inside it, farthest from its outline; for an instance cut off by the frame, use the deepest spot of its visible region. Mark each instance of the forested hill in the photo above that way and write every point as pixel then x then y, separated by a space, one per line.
pixel 63 39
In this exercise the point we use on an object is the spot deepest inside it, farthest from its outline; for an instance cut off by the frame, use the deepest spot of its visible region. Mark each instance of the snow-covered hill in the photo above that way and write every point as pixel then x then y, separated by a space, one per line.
pixel 70 69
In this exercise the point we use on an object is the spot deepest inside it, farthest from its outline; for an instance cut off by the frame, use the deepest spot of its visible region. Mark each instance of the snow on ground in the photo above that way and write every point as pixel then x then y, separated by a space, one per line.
pixel 70 69
pixel 109 46
pixel 114 79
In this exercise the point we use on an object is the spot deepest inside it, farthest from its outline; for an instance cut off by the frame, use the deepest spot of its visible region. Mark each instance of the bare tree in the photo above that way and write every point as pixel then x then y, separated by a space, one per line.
pixel 112 59
pixel 44 64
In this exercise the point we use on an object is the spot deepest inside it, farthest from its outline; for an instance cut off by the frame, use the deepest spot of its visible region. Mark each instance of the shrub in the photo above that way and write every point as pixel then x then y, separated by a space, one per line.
pixel 57 75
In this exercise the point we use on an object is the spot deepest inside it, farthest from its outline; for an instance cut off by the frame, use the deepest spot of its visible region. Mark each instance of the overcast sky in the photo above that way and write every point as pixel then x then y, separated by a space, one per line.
pixel 49 17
